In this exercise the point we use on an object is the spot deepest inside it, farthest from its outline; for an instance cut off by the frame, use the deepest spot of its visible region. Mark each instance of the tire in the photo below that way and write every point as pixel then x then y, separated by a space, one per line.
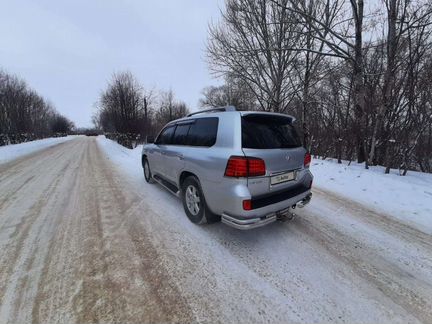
pixel 194 203
pixel 147 172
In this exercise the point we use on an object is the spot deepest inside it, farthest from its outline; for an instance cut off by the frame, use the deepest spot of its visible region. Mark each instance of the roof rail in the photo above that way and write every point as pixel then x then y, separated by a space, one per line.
pixel 215 109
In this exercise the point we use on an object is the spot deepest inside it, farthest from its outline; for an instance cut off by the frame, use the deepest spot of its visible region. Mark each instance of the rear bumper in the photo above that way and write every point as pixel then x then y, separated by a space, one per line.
pixel 245 224
pixel 296 192
pixel 227 196
pixel 250 223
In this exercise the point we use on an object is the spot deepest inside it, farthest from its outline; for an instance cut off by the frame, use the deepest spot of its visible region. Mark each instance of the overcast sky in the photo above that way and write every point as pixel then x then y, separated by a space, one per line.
pixel 68 50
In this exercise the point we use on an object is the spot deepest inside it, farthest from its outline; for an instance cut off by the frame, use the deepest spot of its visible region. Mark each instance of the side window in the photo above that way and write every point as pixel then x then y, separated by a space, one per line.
pixel 180 134
pixel 165 137
pixel 203 132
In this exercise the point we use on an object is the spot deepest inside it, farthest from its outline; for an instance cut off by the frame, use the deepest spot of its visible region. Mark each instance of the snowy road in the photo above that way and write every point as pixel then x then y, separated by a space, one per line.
pixel 81 241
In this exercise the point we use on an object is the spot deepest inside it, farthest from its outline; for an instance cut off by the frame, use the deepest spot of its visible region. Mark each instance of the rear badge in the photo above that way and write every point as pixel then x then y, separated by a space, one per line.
pixel 287 157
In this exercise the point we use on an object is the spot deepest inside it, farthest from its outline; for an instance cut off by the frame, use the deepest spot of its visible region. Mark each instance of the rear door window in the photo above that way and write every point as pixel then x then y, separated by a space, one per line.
pixel 268 132
pixel 203 132
pixel 180 134
pixel 165 137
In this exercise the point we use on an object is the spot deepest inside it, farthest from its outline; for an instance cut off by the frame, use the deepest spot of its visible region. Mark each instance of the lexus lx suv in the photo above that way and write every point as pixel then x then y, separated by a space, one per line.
pixel 245 168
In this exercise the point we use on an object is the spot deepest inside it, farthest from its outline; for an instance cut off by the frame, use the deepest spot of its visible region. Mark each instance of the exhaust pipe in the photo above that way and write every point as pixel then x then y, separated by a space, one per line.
pixel 306 200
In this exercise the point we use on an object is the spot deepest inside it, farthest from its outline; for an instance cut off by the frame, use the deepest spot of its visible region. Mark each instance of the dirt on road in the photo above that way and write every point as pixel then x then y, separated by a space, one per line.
pixel 72 248
pixel 81 242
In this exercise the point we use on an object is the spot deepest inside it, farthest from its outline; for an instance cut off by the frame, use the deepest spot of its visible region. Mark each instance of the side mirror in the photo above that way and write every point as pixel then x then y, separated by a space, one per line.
pixel 150 139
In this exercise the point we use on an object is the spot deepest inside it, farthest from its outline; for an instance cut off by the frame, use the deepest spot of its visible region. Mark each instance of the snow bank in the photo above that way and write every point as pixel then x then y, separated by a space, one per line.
pixel 407 198
pixel 14 151
pixel 127 159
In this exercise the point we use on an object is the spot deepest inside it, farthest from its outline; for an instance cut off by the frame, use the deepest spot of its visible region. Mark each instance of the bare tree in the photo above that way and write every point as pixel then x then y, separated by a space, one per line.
pixel 129 111
pixel 261 42
pixel 234 92
pixel 403 19
pixel 339 26
pixel 120 104
pixel 169 109
pixel 252 43
pixel 309 68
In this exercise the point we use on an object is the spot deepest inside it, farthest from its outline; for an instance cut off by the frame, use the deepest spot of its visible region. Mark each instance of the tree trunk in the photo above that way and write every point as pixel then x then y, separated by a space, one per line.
pixel 389 74
pixel 305 104
pixel 359 89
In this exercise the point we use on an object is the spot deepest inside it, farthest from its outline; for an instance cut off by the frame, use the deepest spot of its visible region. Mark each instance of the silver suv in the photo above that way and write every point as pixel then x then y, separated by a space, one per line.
pixel 246 168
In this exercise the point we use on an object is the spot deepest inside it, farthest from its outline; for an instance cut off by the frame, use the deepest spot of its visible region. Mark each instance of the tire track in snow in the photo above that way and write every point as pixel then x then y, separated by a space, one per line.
pixel 386 223
pixel 35 222
pixel 398 284
pixel 77 258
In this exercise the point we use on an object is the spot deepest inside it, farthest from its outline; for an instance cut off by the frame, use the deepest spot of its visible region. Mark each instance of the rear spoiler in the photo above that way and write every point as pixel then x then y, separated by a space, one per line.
pixel 246 113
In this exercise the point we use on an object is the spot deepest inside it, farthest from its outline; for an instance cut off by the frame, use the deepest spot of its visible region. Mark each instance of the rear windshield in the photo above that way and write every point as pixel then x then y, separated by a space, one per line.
pixel 268 132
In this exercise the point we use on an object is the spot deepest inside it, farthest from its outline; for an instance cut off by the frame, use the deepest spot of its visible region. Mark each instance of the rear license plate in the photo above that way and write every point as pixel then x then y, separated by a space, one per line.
pixel 284 177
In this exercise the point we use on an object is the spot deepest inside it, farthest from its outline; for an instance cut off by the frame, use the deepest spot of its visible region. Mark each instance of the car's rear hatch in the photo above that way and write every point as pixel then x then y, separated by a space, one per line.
pixel 274 139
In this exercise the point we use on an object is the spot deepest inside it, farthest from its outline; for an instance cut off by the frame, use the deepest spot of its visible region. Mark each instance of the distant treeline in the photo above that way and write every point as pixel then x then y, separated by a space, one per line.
pixel 25 115
pixel 126 107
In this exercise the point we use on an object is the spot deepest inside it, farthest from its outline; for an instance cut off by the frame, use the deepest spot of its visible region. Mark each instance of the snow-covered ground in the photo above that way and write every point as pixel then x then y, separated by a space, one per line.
pixel 83 238
pixel 408 198
pixel 14 151
pixel 338 261
pixel 127 159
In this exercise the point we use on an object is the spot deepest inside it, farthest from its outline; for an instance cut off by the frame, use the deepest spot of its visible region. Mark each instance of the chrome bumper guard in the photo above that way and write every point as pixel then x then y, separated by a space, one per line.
pixel 245 224
pixel 250 223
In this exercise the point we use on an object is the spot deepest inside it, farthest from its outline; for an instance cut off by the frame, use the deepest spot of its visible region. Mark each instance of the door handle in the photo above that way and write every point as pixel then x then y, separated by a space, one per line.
pixel 180 156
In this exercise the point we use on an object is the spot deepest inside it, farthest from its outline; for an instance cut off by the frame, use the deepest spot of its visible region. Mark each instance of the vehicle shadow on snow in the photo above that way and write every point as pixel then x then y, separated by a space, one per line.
pixel 275 233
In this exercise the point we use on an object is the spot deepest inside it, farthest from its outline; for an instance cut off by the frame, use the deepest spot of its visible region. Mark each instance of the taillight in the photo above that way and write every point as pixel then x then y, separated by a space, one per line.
pixel 240 166
pixel 247 204
pixel 307 160
pixel 256 167
pixel 236 167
